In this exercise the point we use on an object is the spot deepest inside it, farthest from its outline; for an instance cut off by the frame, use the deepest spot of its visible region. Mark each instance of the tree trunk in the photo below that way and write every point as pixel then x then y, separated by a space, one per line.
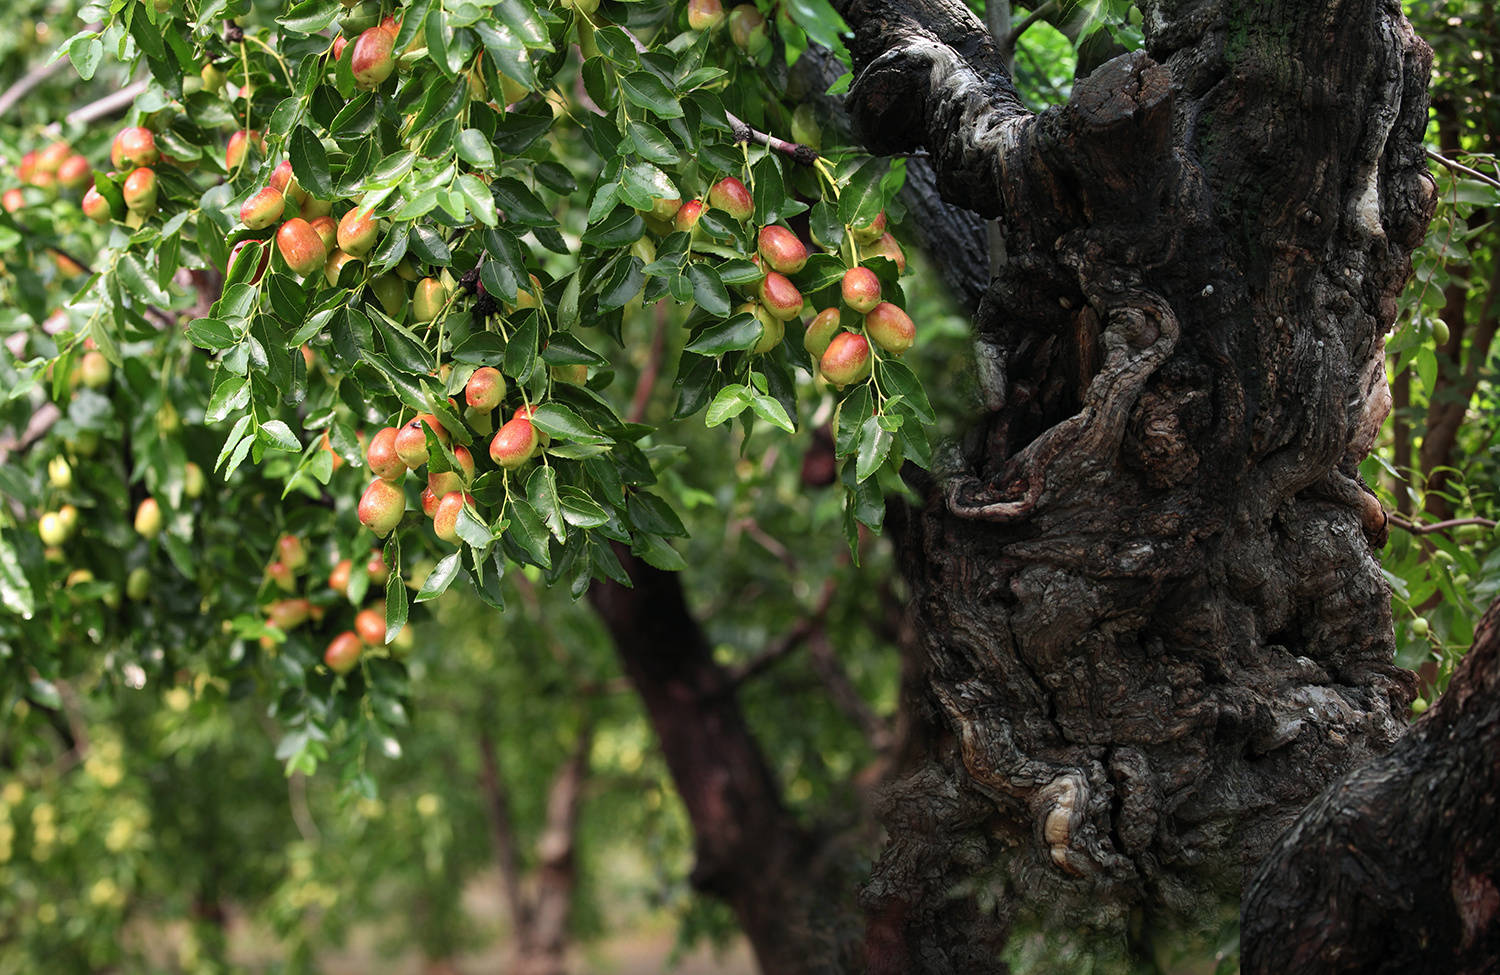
pixel 1154 621
pixel 1393 869
pixel 794 906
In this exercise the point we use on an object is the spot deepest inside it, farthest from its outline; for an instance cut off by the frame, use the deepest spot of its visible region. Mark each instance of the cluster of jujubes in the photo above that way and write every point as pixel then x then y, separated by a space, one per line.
pixel 314 605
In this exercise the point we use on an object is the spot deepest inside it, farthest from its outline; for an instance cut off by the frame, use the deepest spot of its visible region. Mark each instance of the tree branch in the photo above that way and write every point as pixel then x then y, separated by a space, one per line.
pixel 503 839
pixel 32 79
pixel 108 105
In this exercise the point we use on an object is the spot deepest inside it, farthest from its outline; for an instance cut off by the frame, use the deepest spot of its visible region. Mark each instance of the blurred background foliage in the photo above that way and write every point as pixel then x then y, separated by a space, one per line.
pixel 148 817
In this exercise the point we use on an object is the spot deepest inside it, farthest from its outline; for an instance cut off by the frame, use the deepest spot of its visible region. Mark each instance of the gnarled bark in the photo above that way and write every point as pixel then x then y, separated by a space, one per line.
pixel 1147 584
pixel 1393 869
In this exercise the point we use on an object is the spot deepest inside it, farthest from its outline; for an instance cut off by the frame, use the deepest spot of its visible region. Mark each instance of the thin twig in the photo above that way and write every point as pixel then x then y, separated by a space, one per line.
pixel 1407 525
pixel 28 81
pixel 1045 10
pixel 108 105
pixel 1460 167
pixel 41 421
pixel 296 791
pixel 799 153
pixel 790 641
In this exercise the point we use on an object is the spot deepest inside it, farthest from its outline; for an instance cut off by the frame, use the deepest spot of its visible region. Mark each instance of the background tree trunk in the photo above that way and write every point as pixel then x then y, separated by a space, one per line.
pixel 1153 618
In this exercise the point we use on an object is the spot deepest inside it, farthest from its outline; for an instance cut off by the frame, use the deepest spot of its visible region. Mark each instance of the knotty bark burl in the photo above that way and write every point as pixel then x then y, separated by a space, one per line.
pixel 1393 868
pixel 1147 583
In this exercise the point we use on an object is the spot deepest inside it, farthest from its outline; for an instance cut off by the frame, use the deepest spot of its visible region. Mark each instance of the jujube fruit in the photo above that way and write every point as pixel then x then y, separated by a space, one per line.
pixel 731 196
pixel 846 360
pixel 263 208
pixel 485 389
pixel 861 289
pixel 343 652
pixel 381 507
pixel 781 250
pixel 300 246
pixel 890 328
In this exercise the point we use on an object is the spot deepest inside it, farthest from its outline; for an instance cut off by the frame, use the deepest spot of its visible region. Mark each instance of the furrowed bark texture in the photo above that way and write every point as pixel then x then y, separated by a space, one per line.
pixel 1154 620
pixel 751 852
pixel 1393 869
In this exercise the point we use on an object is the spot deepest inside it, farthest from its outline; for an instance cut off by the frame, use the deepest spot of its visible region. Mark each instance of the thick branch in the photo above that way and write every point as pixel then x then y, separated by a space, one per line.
pixel 1393 868
pixel 502 832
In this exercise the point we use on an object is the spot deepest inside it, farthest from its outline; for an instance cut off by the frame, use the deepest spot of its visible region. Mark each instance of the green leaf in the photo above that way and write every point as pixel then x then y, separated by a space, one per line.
pixel 898 378
pixel 622 226
pixel 395 595
pixel 769 409
pixel 85 51
pixel 210 333
pixel 472 530
pixel 275 433
pixel 580 510
pixel 860 200
pixel 650 513
pixel 520 351
pixel 528 533
pixel 708 291
pixel 438 580
pixel 15 590
pixel 874 446
pixel 230 395
pixel 140 284
pixel 649 92
pixel 310 163
pixel 560 421
pixel 481 203
pixel 656 552
pixel 731 401
pixel 474 149
pixel 541 491
pixel 739 332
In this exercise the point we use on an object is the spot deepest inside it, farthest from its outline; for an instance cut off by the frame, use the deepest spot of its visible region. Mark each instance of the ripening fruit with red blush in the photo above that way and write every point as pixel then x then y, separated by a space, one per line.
pixel 780 297
pixel 357 231
pixel 263 208
pixel 411 441
pixel 140 191
pixel 282 575
pixel 376 568
pixel 381 455
pixel 343 652
pixel 327 230
pixel 429 500
pixel 820 331
pixel 428 300
pixel 239 144
pixel 338 579
pixel 288 614
pixel 300 246
pixel 890 328
pixel 781 249
pixel 869 231
pixel 382 506
pixel 370 625
pixel 75 173
pixel 135 146
pixel 291 551
pixel 465 463
pixel 374 57
pixel 485 389
pixel 705 14
pixel 339 43
pixel 13 199
pixel 747 28
pixel 886 246
pixel 687 217
pixel 731 196
pixel 283 180
pixel 861 289
pixel 772 330
pixel 846 360
pixel 515 443
pixel 95 206
pixel 444 483
pixel 445 521
pixel 335 266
